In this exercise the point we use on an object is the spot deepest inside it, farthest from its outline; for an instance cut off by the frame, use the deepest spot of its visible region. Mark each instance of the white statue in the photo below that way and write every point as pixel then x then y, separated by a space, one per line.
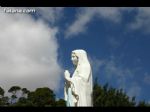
pixel 78 88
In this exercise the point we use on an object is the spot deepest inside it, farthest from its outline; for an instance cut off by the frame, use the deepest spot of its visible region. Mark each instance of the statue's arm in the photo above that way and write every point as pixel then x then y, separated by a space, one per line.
pixel 65 93
pixel 67 76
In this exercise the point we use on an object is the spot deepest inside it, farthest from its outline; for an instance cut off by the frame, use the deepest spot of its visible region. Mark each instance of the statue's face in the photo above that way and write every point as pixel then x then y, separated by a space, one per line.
pixel 74 59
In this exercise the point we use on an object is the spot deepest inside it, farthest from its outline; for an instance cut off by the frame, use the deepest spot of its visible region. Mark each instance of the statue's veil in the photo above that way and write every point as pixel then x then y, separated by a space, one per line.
pixel 84 71
pixel 83 66
pixel 82 56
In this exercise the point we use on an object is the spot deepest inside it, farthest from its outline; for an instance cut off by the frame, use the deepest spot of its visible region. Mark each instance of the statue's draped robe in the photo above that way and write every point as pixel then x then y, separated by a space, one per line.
pixel 82 81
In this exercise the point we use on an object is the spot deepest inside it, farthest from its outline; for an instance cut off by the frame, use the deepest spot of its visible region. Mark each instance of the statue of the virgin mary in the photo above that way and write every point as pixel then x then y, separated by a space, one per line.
pixel 78 88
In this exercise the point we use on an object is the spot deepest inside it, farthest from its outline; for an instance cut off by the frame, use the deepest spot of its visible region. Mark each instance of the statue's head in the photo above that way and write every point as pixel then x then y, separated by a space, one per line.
pixel 79 56
pixel 74 59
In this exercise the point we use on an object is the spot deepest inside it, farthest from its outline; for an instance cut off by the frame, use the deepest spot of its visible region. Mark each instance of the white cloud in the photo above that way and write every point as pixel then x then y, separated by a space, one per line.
pixel 112 69
pixel 85 15
pixel 80 24
pixel 122 75
pixel 134 90
pixel 142 19
pixel 28 53
pixel 147 78
pixel 113 42
pixel 96 64
pixel 50 14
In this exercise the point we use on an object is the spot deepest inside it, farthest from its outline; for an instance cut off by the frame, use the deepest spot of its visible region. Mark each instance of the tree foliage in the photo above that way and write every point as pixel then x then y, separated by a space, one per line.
pixel 104 96
pixel 14 89
pixel 25 91
pixel 42 96
pixel 2 92
pixel 60 103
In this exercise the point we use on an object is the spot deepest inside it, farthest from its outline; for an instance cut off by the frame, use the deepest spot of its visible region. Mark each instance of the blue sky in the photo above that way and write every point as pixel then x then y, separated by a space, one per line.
pixel 117 41
pixel 119 53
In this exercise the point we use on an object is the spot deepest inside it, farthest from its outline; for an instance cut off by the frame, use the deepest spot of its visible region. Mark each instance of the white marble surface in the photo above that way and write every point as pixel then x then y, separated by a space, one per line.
pixel 78 88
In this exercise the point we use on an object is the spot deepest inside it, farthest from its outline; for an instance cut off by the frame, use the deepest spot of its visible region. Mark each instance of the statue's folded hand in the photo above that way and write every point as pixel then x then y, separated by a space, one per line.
pixel 67 74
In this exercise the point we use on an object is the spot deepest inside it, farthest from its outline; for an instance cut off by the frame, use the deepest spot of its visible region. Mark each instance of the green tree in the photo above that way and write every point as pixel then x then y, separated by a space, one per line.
pixel 23 102
pixel 143 104
pixel 1 96
pixel 14 90
pixel 107 96
pixel 60 103
pixel 1 92
pixel 5 100
pixel 42 97
pixel 25 91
